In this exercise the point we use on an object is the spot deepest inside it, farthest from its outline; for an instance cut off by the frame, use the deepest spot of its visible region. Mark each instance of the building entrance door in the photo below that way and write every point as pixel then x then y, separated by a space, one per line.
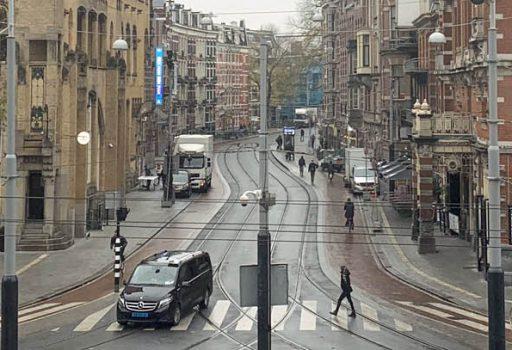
pixel 35 196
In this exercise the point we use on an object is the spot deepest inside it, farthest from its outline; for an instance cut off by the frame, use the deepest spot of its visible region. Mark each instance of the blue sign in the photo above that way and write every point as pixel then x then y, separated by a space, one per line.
pixel 159 76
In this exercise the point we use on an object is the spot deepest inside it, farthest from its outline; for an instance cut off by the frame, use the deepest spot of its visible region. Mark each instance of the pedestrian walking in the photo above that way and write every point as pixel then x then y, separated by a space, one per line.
pixel 147 172
pixel 349 214
pixel 330 170
pixel 312 169
pixel 279 141
pixel 346 289
pixel 312 138
pixel 301 135
pixel 302 164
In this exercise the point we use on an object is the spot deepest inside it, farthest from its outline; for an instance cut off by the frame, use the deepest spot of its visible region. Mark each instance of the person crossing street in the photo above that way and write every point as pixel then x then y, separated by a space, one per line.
pixel 346 289
pixel 302 135
pixel 312 169
pixel 349 214
pixel 302 164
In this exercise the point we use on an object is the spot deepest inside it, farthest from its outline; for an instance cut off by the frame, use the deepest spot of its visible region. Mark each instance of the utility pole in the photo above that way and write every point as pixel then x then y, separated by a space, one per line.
pixel 264 342
pixel 10 280
pixel 391 121
pixel 495 278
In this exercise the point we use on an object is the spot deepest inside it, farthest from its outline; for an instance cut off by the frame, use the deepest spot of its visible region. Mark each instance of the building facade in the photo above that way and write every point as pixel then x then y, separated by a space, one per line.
pixel 69 80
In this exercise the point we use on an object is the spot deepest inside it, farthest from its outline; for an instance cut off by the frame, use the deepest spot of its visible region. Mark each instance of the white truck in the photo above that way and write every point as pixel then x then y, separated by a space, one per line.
pixel 194 153
pixel 359 173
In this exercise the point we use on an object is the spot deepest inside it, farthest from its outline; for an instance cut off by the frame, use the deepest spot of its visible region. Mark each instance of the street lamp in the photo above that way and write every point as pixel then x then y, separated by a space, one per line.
pixel 120 45
pixel 83 138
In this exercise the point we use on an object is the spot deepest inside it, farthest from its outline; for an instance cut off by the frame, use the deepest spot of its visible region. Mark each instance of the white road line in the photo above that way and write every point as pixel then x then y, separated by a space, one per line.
pixel 90 321
pixel 115 327
pixel 278 312
pixel 217 316
pixel 32 263
pixel 36 308
pixel 49 311
pixel 402 326
pixel 473 324
pixel 460 311
pixel 56 329
pixel 184 323
pixel 426 309
pixel 369 312
pixel 308 318
pixel 245 323
pixel 340 319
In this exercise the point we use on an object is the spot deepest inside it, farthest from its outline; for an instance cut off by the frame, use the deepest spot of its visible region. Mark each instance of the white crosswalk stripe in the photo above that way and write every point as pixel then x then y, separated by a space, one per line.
pixel 402 326
pixel 185 323
pixel 217 316
pixel 307 317
pixel 426 309
pixel 36 308
pixel 340 319
pixel 90 321
pixel 278 312
pixel 245 323
pixel 115 327
pixel 371 313
pixel 49 311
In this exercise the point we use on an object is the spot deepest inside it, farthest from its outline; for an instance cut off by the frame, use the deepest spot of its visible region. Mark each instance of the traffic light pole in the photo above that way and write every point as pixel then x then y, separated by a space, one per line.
pixel 10 280
pixel 495 276
pixel 264 339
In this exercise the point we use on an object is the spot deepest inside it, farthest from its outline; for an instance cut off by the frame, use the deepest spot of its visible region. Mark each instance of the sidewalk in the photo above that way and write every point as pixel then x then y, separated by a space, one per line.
pixel 44 274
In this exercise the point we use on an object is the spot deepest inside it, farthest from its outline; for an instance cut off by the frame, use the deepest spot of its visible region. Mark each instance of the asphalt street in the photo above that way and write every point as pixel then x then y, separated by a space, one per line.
pixel 304 323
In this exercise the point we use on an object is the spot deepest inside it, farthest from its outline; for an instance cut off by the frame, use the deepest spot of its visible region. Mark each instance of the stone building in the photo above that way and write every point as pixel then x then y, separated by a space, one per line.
pixel 232 71
pixel 68 81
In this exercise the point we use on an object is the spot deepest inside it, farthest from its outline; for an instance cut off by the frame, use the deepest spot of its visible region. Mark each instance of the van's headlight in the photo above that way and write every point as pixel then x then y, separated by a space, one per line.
pixel 121 303
pixel 164 303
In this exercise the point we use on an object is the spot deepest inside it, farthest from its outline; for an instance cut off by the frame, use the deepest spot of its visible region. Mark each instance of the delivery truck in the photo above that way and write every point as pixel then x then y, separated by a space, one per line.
pixel 194 153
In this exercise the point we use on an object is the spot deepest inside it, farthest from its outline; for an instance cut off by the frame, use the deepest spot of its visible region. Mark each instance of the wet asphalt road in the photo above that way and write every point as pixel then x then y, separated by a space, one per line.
pixel 305 323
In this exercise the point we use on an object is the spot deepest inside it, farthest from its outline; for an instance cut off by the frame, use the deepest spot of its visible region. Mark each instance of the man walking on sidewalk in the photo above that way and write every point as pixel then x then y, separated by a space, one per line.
pixel 346 289
pixel 301 135
pixel 312 141
pixel 312 169
pixel 302 164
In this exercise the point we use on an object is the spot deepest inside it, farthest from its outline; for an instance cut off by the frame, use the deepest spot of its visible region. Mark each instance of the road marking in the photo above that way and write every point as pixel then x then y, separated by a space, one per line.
pixel 115 327
pixel 426 309
pixel 460 311
pixel 32 263
pixel 217 316
pixel 369 312
pixel 278 313
pixel 414 268
pixel 473 324
pixel 402 326
pixel 36 308
pixel 56 329
pixel 307 317
pixel 340 319
pixel 90 321
pixel 49 311
pixel 184 323
pixel 245 323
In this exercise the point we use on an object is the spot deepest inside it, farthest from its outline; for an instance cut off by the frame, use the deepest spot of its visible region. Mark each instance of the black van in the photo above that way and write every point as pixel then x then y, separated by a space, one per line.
pixel 165 285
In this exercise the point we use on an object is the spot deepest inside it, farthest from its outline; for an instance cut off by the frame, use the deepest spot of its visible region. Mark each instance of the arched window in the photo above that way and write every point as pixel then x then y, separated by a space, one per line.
pixel 134 47
pixel 147 53
pixel 102 40
pixel 92 32
pixel 111 37
pixel 81 29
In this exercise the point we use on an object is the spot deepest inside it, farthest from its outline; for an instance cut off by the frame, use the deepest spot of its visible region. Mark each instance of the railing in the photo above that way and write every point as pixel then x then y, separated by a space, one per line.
pixel 452 124
pixel 413 66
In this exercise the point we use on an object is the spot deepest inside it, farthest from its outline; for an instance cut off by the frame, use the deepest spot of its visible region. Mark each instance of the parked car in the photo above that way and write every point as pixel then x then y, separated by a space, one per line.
pixel 181 183
pixel 329 156
pixel 165 286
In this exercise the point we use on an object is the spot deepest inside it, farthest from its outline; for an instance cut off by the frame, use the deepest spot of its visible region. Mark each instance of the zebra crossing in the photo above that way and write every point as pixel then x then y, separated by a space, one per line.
pixel 310 315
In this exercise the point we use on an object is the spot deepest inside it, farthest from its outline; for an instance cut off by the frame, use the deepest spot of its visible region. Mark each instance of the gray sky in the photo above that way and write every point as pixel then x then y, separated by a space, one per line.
pixel 254 21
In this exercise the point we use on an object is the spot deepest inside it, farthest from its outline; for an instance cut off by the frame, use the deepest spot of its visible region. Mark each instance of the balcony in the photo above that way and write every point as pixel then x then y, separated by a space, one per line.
pixel 450 123
pixel 413 67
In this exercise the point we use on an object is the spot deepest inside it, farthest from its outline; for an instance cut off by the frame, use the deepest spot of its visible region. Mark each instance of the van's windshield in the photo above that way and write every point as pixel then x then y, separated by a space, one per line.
pixel 156 275
pixel 363 172
pixel 191 162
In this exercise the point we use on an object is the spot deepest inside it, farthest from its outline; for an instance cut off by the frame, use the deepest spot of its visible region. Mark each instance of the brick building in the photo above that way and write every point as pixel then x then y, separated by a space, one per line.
pixel 68 81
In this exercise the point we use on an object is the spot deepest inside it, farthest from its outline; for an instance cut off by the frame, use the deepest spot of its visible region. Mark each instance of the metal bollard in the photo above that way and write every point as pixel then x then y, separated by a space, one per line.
pixel 117 263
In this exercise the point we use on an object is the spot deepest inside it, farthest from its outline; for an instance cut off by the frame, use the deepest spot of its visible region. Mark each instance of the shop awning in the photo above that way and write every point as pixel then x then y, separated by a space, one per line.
pixel 403 172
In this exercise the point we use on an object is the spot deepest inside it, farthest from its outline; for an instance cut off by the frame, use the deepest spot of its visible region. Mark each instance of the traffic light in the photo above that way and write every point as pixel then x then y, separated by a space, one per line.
pixel 477 2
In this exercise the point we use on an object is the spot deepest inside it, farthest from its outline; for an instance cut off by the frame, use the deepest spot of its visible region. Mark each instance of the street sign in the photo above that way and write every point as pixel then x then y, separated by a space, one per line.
pixel 249 285
pixel 159 76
